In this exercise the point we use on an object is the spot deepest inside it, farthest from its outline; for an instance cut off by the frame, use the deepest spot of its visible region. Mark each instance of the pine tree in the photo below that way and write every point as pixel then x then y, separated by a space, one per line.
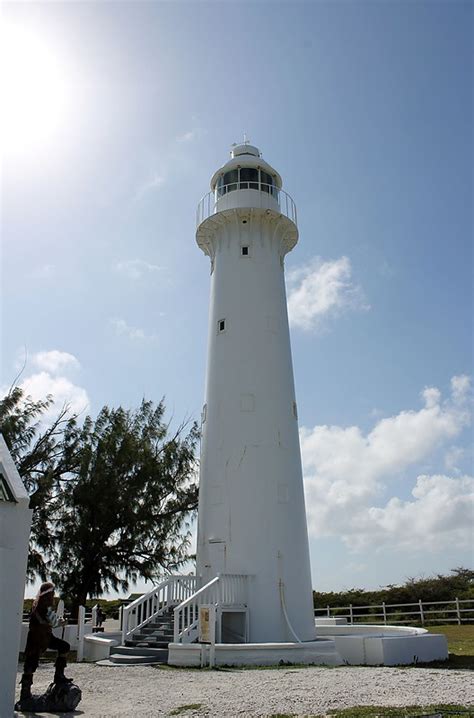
pixel 111 499
pixel 124 513
pixel 44 455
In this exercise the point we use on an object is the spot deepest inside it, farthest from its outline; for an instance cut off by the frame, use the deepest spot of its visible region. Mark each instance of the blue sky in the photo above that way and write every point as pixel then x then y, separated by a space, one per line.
pixel 365 109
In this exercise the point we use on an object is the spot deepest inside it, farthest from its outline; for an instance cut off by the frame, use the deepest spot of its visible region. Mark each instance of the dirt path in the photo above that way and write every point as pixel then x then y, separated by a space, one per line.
pixel 126 692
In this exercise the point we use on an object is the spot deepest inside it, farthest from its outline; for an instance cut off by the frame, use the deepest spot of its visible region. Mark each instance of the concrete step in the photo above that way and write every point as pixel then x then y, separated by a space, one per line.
pixel 137 651
pixel 161 635
pixel 121 658
pixel 158 625
pixel 147 644
pixel 160 630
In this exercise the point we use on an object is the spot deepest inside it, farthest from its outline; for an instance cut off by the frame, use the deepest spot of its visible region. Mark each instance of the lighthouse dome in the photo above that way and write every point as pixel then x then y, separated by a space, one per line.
pixel 246 165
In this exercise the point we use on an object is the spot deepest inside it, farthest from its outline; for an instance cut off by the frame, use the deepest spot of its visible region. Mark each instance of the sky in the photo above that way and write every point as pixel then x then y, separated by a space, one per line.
pixel 115 117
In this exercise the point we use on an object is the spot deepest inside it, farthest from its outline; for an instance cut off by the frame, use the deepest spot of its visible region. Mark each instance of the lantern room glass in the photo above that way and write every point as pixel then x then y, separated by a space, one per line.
pixel 246 178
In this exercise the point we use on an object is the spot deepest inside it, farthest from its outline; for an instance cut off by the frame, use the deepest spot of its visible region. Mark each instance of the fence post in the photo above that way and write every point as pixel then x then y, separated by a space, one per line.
pixel 124 622
pixel 422 615
pixel 384 613
pixel 94 615
pixel 458 612
pixel 81 616
pixel 176 625
pixel 328 610
pixel 351 613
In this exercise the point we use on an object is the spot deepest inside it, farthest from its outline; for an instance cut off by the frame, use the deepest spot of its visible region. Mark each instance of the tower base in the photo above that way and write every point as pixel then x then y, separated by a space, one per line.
pixel 319 652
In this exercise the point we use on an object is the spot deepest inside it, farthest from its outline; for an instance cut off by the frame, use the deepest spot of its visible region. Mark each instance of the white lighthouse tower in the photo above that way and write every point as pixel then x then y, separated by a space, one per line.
pixel 251 600
pixel 251 504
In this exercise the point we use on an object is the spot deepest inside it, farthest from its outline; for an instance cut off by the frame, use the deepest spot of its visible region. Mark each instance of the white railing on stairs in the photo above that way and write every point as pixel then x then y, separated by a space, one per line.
pixel 167 594
pixel 223 590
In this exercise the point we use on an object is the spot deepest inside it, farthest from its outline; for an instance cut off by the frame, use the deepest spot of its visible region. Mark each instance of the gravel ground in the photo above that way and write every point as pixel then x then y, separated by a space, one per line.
pixel 142 691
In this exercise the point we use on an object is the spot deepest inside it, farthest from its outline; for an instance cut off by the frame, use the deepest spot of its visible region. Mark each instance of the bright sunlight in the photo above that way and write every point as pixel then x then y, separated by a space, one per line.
pixel 33 90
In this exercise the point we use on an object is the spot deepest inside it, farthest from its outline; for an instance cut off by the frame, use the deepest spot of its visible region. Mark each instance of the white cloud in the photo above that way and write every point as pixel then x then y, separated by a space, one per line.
pixel 122 328
pixel 135 268
pixel 64 392
pixel 345 469
pixel 452 458
pixel 321 290
pixel 460 386
pixel 431 395
pixel 55 361
pixel 188 136
pixel 441 514
pixel 48 378
pixel 154 182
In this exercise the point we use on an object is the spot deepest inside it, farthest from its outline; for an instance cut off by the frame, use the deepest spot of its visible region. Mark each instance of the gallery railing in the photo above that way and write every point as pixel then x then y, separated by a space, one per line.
pixel 209 203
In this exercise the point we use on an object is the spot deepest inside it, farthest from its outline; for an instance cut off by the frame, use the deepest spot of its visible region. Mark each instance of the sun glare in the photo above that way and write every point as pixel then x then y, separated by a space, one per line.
pixel 33 90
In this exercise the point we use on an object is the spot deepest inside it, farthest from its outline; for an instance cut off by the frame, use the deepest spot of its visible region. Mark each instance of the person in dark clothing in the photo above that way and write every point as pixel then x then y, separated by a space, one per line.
pixel 100 617
pixel 40 637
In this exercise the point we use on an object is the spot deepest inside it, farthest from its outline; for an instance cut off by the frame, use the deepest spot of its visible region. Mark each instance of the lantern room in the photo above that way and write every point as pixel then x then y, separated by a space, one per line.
pixel 246 170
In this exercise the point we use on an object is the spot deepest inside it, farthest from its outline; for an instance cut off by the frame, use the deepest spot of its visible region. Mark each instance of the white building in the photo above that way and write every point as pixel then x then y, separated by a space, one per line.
pixel 15 522
pixel 252 517
pixel 251 597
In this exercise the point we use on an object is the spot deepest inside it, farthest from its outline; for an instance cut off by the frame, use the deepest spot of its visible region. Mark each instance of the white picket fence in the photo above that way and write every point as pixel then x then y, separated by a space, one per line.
pixel 457 611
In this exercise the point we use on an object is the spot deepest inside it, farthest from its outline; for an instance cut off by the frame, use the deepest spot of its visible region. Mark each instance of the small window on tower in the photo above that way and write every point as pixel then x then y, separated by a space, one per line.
pixel 221 325
pixel 245 251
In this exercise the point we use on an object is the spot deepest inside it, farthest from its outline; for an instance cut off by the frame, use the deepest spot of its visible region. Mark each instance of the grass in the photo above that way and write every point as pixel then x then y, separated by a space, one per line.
pixel 460 646
pixel 444 711
pixel 184 709
pixel 440 711
pixel 460 638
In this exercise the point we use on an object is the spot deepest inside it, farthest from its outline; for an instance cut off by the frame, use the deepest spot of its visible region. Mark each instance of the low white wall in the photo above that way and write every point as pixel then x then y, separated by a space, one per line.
pixel 256 654
pixel 391 650
pixel 330 621
pixel 352 645
pixel 368 629
pixel 97 647
pixel 70 634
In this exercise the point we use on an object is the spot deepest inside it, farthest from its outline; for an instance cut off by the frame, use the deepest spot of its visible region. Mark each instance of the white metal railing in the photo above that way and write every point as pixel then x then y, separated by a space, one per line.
pixel 223 590
pixel 209 203
pixel 167 594
pixel 455 611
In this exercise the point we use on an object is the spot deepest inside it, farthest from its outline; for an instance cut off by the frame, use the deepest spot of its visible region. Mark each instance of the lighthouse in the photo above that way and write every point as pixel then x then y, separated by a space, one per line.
pixel 250 601
pixel 251 518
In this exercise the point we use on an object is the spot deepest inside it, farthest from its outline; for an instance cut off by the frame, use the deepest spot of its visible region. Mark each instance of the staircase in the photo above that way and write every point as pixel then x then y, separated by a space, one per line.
pixel 149 645
pixel 148 623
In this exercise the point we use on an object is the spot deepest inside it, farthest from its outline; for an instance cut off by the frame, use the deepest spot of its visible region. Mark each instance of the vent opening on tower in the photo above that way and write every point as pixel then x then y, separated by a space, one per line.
pixel 245 251
pixel 221 325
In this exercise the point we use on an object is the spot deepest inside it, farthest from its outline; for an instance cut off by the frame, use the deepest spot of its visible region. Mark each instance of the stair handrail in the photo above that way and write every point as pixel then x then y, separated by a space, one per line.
pixel 165 595
pixel 223 590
